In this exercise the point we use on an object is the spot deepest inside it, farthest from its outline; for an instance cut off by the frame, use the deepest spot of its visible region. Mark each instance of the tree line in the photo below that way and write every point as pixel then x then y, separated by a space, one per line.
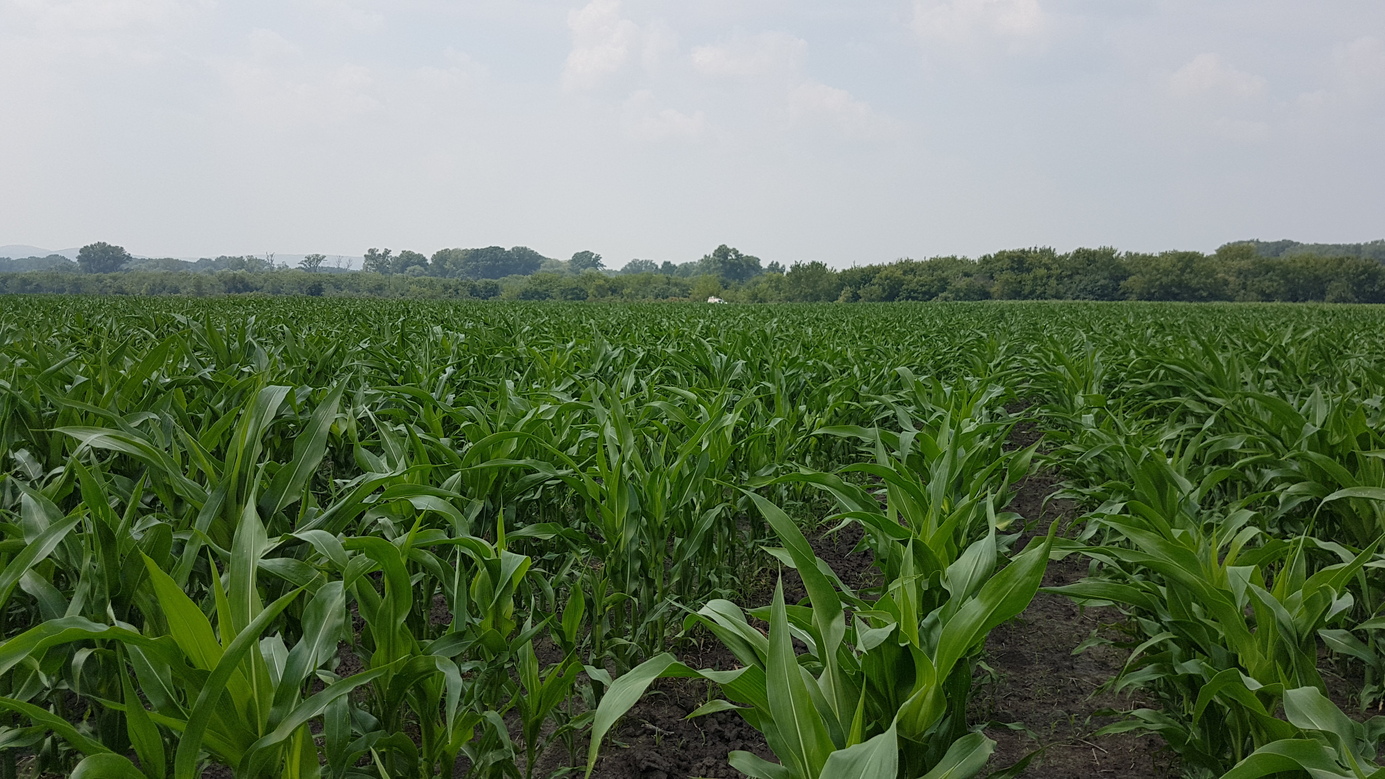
pixel 1282 271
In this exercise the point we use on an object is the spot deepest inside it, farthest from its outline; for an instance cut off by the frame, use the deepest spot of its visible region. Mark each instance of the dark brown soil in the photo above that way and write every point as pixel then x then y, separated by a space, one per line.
pixel 654 741
pixel 1039 685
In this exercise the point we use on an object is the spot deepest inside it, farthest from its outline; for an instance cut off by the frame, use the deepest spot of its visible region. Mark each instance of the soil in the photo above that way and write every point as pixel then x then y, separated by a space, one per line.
pixel 1039 698
pixel 1042 698
pixel 654 741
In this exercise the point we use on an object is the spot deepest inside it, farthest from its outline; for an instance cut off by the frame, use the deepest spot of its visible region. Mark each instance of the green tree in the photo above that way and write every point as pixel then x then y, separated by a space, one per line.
pixel 377 261
pixel 523 261
pixel 406 262
pixel 1022 274
pixel 812 281
pixel 312 263
pixel 706 286
pixel 447 263
pixel 1187 276
pixel 101 257
pixel 585 260
pixel 1091 274
pixel 730 265
pixel 491 262
pixel 640 266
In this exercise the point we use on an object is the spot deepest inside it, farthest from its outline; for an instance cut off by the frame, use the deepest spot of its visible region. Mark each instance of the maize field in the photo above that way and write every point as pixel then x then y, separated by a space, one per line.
pixel 348 538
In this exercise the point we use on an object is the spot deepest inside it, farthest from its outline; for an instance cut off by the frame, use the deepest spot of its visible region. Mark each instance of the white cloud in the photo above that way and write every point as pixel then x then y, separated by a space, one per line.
pixel 602 43
pixel 768 53
pixel 771 64
pixel 660 44
pixel 644 122
pixel 964 22
pixel 813 101
pixel 280 87
pixel 1207 75
pixel 460 72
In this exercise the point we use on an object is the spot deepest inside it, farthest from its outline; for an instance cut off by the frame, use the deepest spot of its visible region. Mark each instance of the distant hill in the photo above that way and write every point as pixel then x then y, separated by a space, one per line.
pixel 1371 250
pixel 18 250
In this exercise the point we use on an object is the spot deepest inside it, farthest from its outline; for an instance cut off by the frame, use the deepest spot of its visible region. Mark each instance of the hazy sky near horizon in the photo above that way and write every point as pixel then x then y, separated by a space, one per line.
pixel 795 130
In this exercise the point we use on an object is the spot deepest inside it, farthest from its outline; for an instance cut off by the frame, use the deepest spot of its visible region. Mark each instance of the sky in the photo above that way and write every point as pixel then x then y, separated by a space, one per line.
pixel 794 130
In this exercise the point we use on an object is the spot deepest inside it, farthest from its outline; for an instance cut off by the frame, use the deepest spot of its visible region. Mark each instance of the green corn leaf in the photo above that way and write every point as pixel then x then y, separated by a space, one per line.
pixel 185 760
pixel 188 626
pixel 796 719
pixel 876 757
pixel 713 707
pixel 1002 597
pixel 107 765
pixel 625 692
pixel 257 754
pixel 759 768
pixel 309 447
pixel 1309 709
pixel 323 622
pixel 1370 493
pixel 35 641
pixel 1291 756
pixel 144 735
pixel 58 725
pixel 966 757
pixel 34 553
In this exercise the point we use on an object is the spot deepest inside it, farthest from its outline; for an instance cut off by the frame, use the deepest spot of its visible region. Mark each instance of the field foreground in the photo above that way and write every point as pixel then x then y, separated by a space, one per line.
pixel 337 538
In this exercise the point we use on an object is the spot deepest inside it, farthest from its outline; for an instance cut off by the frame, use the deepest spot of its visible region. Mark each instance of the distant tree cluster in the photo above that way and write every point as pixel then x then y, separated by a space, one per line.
pixel 52 262
pixel 491 262
pixel 241 282
pixel 1241 271
pixel 1370 250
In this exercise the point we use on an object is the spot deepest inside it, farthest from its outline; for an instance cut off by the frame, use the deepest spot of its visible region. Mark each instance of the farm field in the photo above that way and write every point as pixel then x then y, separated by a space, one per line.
pixel 348 538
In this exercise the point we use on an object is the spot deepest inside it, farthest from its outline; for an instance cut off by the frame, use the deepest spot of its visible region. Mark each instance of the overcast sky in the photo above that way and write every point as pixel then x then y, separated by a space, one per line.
pixel 849 132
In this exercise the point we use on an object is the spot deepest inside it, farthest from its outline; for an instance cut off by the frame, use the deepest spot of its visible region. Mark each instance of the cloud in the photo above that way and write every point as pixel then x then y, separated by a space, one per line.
pixel 459 72
pixel 280 87
pixel 771 64
pixel 644 122
pixel 660 44
pixel 963 23
pixel 765 54
pixel 602 43
pixel 813 101
pixel 1207 75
